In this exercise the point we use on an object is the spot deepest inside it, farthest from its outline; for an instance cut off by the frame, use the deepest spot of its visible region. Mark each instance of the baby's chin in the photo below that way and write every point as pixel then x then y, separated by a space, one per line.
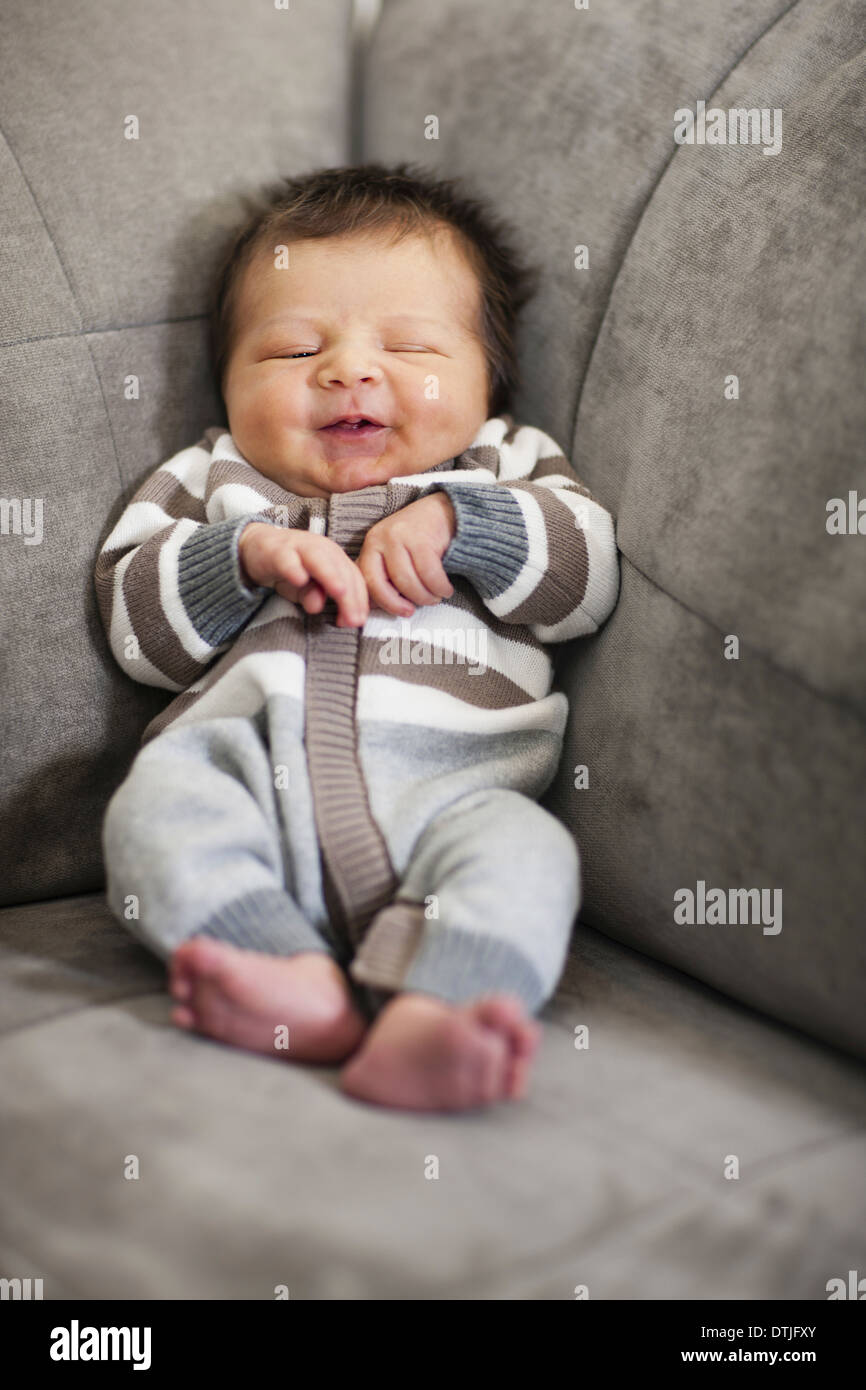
pixel 347 475
pixel 342 471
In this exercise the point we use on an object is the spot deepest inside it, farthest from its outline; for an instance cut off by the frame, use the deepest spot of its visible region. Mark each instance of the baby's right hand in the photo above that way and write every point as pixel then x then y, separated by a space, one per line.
pixel 304 567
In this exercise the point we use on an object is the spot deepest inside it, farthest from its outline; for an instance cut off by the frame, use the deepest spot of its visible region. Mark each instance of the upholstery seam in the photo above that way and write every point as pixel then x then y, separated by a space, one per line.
pixel 652 1208
pixel 75 300
pixel 837 700
pixel 108 328
pixel 649 199
pixel 713 995
pixel 80 1009
pixel 363 21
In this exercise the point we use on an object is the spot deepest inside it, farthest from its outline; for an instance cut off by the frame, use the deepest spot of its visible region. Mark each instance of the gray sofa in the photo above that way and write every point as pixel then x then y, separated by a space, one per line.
pixel 710 1140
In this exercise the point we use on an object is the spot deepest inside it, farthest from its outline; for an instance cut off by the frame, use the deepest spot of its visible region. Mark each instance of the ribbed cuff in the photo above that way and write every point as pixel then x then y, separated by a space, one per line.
pixel 267 920
pixel 461 965
pixel 490 545
pixel 212 590
pixel 403 951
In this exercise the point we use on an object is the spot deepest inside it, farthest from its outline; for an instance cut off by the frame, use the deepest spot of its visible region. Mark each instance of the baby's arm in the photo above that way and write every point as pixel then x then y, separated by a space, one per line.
pixel 531 539
pixel 168 582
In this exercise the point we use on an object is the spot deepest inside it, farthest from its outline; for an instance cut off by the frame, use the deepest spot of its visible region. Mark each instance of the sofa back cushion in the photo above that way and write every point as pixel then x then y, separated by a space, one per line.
pixel 132 136
pixel 703 363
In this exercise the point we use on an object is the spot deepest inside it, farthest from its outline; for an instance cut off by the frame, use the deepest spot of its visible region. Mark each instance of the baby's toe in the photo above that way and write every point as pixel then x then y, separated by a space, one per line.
pixel 507 1014
pixel 201 958
pixel 179 976
pixel 491 1070
pixel 518 1078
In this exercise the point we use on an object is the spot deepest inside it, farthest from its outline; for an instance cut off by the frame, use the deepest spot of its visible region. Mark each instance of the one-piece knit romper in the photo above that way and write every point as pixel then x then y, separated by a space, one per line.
pixel 370 792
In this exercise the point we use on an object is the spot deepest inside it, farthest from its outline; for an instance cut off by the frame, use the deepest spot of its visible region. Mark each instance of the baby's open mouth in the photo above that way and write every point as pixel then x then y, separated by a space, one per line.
pixel 352 426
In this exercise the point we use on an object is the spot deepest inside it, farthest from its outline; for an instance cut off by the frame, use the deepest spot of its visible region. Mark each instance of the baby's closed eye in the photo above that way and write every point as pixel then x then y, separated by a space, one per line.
pixel 311 352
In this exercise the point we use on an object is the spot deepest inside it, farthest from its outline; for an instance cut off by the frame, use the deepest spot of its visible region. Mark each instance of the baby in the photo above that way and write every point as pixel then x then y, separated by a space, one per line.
pixel 331 835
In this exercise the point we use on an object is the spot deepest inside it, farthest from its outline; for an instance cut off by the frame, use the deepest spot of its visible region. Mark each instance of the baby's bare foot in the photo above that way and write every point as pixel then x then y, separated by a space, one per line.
pixel 423 1053
pixel 244 997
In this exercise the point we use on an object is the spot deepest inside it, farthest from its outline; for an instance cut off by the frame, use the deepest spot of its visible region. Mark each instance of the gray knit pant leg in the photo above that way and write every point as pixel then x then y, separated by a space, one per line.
pixel 192 846
pixel 487 905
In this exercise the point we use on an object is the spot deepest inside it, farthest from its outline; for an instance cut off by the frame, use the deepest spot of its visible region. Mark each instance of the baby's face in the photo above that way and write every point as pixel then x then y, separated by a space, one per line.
pixel 356 326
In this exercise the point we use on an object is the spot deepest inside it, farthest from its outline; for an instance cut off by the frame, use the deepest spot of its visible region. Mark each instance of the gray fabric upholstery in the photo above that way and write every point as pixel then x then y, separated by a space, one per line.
pixel 703 261
pixel 256 1172
pixel 564 118
pixel 749 773
pixel 109 245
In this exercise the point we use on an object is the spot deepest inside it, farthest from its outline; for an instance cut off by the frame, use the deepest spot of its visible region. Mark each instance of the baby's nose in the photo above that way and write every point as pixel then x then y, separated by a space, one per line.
pixel 349 368
pixel 350 377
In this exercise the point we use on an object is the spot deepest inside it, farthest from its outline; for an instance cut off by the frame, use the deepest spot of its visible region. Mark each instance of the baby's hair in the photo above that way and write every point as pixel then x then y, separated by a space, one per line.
pixel 402 199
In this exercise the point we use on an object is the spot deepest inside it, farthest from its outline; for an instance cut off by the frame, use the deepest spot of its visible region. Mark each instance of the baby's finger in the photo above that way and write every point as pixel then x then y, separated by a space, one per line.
pixel 326 569
pixel 291 568
pixel 432 573
pixel 288 591
pixel 381 590
pixel 341 580
pixel 355 606
pixel 404 577
pixel 312 597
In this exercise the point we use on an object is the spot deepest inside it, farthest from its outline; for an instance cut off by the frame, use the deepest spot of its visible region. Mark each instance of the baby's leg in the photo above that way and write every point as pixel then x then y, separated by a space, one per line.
pixel 195 869
pixel 474 943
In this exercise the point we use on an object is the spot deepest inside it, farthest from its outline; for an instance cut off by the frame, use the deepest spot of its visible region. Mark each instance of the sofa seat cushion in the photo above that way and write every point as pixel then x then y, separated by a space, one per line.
pixel 256 1172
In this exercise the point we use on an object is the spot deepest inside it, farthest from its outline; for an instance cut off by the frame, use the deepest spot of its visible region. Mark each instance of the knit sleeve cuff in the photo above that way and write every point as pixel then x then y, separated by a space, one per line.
pixel 211 586
pixel 490 545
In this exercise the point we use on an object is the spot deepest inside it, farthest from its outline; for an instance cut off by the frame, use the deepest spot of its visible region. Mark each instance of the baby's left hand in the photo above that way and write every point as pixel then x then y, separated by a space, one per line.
pixel 401 557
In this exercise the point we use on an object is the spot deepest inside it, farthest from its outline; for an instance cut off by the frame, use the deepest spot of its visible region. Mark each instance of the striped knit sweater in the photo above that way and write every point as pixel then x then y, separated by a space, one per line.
pixel 533 561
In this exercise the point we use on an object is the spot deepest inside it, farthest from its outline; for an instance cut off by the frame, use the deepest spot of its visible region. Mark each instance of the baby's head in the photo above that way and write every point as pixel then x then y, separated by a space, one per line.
pixel 368 292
